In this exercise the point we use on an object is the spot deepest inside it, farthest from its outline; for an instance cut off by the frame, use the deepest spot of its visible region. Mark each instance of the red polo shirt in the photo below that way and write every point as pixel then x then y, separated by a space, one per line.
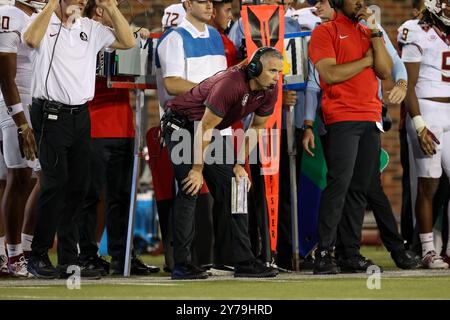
pixel 111 114
pixel 357 98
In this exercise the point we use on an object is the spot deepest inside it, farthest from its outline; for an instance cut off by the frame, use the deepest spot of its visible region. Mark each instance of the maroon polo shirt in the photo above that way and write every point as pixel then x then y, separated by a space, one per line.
pixel 227 94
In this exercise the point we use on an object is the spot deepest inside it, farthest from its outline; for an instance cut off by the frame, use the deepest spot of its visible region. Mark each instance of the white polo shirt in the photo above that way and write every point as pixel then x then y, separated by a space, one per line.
pixel 204 62
pixel 72 76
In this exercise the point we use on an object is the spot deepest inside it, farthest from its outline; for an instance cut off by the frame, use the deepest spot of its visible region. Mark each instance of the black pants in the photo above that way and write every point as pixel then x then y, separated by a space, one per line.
pixel 64 147
pixel 284 242
pixel 407 222
pixel 112 167
pixel 348 243
pixel 259 215
pixel 350 148
pixel 218 177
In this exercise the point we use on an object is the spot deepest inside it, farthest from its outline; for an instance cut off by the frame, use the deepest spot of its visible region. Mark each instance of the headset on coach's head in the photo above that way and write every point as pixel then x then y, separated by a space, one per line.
pixel 255 67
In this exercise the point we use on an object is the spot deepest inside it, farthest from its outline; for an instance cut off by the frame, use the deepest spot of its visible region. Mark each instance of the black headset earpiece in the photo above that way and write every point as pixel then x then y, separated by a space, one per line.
pixel 255 67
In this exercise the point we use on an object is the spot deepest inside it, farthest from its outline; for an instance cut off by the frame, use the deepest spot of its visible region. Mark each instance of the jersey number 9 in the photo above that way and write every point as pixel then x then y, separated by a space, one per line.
pixel 446 66
pixel 5 23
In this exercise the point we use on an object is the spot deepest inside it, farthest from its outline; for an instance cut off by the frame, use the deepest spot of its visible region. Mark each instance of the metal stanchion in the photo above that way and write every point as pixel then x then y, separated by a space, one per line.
pixel 135 181
pixel 292 152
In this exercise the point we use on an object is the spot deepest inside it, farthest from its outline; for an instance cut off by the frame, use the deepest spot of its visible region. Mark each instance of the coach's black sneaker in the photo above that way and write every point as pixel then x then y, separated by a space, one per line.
pixel 65 271
pixel 404 259
pixel 325 263
pixel 41 267
pixel 188 271
pixel 95 263
pixel 356 264
pixel 138 267
pixel 306 263
pixel 254 268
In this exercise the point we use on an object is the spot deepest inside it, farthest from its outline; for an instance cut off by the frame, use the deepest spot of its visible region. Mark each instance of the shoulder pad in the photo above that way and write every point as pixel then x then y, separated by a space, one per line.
pixel 411 32
pixel 12 19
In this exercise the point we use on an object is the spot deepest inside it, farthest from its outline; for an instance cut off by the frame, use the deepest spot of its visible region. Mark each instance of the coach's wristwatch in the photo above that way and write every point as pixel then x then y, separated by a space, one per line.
pixel 307 126
pixel 377 34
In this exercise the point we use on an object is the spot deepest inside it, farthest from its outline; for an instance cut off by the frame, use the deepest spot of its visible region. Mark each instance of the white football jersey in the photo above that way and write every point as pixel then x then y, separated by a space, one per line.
pixel 173 15
pixel 306 18
pixel 421 43
pixel 13 23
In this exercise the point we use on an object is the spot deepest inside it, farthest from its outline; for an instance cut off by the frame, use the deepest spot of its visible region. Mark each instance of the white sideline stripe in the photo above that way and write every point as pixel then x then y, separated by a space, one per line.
pixel 30 287
pixel 144 284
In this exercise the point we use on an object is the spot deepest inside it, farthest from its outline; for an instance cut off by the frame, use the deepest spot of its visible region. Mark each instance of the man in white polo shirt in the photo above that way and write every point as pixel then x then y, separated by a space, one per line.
pixel 64 52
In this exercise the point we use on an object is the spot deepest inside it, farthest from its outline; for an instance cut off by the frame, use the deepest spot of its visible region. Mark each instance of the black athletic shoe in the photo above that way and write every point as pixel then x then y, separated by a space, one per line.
pixel 65 271
pixel 41 267
pixel 356 264
pixel 404 259
pixel 138 267
pixel 188 271
pixel 95 263
pixel 325 263
pixel 254 269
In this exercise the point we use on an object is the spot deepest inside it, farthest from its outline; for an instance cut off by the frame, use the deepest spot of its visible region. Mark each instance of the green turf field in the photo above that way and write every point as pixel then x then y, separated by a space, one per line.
pixel 395 284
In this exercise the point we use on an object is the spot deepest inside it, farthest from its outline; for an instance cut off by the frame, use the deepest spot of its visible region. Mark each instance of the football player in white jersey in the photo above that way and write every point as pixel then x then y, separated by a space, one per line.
pixel 3 257
pixel 19 147
pixel 173 15
pixel 425 48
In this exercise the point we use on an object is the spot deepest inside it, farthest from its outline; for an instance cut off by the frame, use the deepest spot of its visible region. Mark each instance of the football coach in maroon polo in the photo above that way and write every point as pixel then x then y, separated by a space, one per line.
pixel 217 103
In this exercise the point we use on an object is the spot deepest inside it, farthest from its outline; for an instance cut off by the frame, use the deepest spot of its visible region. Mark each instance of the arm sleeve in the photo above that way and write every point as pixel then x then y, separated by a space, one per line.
pixel 411 53
pixel 321 45
pixel 311 104
pixel 171 56
pixel 9 42
pixel 399 69
pixel 313 83
pixel 105 36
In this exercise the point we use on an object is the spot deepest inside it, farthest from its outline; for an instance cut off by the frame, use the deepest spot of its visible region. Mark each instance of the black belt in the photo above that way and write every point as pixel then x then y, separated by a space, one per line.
pixel 173 121
pixel 56 107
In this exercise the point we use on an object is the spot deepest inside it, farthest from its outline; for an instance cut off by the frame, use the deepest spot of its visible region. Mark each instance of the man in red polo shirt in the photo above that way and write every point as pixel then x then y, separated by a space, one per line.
pixel 349 57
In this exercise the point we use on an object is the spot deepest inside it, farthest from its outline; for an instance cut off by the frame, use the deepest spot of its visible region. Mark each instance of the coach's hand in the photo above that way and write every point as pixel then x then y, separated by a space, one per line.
pixel 308 141
pixel 27 144
pixel 289 98
pixel 427 141
pixel 106 4
pixel 239 173
pixel 398 92
pixel 144 33
pixel 366 14
pixel 193 182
